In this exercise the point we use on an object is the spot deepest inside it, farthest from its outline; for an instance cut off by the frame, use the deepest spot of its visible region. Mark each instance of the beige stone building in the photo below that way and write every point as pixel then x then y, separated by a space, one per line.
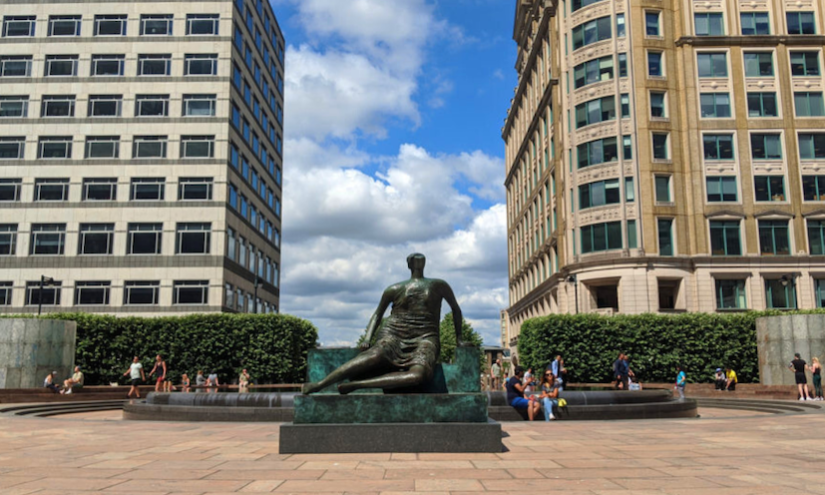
pixel 666 156
pixel 140 156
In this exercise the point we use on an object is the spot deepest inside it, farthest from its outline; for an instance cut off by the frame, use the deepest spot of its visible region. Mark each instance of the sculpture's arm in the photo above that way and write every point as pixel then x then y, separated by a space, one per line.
pixel 447 293
pixel 375 321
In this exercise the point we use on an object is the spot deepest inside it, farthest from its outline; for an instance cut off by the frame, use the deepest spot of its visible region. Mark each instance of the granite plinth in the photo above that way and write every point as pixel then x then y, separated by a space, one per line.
pixel 397 408
pixel 390 437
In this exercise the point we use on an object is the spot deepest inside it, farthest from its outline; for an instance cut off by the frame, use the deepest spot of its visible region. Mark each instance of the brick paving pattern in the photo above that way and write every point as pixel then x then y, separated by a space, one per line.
pixel 724 453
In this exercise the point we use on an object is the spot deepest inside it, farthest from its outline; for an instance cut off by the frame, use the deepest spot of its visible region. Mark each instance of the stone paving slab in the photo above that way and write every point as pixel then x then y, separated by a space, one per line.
pixel 724 453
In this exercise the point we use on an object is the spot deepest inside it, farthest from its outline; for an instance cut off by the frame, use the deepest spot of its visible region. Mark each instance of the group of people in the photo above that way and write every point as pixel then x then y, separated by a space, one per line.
pixel 71 384
pixel 163 383
pixel 543 393
pixel 725 379
pixel 799 367
pixel 622 372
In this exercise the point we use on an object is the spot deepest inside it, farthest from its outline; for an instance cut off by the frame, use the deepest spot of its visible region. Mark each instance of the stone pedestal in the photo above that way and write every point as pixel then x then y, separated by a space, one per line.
pixel 779 337
pixel 31 348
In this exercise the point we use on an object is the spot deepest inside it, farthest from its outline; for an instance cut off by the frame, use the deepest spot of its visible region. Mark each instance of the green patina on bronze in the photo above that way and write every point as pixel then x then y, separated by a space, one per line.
pixel 394 408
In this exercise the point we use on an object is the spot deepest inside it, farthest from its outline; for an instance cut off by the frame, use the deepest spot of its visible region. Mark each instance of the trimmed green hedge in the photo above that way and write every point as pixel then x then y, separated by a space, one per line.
pixel 701 342
pixel 273 348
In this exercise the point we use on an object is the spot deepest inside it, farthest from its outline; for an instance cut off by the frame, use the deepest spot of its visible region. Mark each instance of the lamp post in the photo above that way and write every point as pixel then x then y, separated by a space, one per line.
pixel 572 279
pixel 255 302
pixel 44 280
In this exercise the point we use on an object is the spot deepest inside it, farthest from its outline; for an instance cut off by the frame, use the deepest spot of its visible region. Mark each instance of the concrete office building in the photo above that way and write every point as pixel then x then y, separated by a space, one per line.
pixel 140 156
pixel 666 156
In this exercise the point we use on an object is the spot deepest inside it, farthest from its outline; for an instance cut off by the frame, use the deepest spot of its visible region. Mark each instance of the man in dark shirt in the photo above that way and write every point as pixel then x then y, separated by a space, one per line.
pixel 798 365
pixel 515 395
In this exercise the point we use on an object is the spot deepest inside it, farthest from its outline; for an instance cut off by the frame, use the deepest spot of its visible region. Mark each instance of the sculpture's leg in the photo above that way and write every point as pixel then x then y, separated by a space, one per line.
pixel 358 365
pixel 398 379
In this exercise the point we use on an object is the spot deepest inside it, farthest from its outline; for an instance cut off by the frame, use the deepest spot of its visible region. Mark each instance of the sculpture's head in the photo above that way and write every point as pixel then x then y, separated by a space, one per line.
pixel 416 261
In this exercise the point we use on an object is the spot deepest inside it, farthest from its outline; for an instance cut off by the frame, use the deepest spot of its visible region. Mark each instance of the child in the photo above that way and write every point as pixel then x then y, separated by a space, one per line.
pixel 184 383
pixel 681 380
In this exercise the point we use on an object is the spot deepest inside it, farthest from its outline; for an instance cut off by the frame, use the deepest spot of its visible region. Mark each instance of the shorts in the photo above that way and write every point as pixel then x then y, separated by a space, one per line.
pixel 800 378
pixel 135 382
pixel 520 403
pixel 160 379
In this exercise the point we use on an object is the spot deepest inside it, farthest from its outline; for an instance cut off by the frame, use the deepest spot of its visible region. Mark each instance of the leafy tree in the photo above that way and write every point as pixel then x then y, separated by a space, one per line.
pixel 448 343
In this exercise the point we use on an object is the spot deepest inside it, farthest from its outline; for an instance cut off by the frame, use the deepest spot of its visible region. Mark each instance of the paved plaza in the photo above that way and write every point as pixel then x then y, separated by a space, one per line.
pixel 723 453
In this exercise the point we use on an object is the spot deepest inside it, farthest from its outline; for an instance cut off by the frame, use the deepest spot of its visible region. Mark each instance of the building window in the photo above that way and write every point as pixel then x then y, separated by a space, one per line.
pixel 721 189
pixel 718 146
pixel 801 23
pixel 660 146
pixel 665 233
pixel 149 147
pixel 99 190
pixel 593 71
pixel 150 189
pixel 64 25
pixel 102 147
pixel 231 247
pixel 144 238
pixel 769 187
pixel 197 146
pixel 92 293
pixel 601 237
pixel 48 296
pixel 12 148
pixel 592 32
pixel 8 239
pixel 652 21
pixel 780 293
pixel 813 187
pixel 662 183
pixel 154 65
pixel 141 293
pixel 655 68
pixel 766 146
pixel 202 24
pixel 156 25
pixel 629 190
pixel 805 64
pixel 199 105
pixel 757 64
pixel 715 105
pixel 574 6
pixel 657 105
pixel 755 23
pixel 5 293
pixel 61 65
pixel 10 189
pixel 762 105
pixel 55 148
pixel 730 294
pixel 595 111
pixel 724 238
pixel 193 238
pixel 110 25
pixel 195 189
pixel 709 24
pixel 773 238
pixel 57 106
pixel 14 106
pixel 14 26
pixel 48 238
pixel 600 193
pixel 96 238
pixel 51 190
pixel 105 105
pixel 201 65
pixel 624 98
pixel 809 104
pixel 107 65
pixel 811 146
pixel 820 293
pixel 151 105
pixel 712 64
pixel 190 292
pixel 816 237
pixel 16 66
pixel 621 26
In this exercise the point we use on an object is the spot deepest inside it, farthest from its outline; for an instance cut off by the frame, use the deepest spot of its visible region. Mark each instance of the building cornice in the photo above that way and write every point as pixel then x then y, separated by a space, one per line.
pixel 765 40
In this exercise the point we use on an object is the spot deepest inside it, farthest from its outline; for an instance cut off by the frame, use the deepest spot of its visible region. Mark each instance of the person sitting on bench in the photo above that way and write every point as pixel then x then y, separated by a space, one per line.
pixel 73 384
pixel 49 382
pixel 515 395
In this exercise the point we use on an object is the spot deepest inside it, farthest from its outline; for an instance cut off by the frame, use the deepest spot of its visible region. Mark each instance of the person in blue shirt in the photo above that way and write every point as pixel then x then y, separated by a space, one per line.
pixel 681 380
pixel 515 394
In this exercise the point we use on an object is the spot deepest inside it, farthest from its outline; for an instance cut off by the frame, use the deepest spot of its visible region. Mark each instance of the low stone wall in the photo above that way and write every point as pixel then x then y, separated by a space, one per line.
pixel 779 337
pixel 31 348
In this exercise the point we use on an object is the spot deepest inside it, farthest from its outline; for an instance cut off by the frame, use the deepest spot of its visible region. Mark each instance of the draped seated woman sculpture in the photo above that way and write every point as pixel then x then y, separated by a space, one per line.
pixel 407 345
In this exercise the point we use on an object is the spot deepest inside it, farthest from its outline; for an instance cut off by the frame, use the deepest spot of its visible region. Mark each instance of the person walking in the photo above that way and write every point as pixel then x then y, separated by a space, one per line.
pixel 549 395
pixel 495 375
pixel 136 376
pixel 160 368
pixel 558 370
pixel 816 370
pixel 798 366
pixel 681 381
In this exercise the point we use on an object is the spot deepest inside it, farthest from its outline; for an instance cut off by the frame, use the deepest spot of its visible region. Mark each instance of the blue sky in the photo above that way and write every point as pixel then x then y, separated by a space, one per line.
pixel 392 120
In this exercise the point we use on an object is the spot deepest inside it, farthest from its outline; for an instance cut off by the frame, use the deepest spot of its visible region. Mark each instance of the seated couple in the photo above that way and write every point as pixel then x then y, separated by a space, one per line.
pixel 549 395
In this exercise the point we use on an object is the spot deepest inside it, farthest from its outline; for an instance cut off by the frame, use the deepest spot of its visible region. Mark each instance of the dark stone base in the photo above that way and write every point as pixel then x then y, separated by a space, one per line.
pixel 390 437
pixel 142 411
pixel 380 408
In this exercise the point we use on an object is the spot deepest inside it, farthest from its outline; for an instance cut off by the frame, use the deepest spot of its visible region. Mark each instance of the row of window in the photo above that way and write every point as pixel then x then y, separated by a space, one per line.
pixel 255 181
pixel 60 147
pixel 105 189
pixel 754 23
pixel 200 64
pixel 247 210
pixel 780 293
pixel 760 104
pixel 237 299
pixel 244 252
pixel 804 63
pixel 111 25
pixel 152 105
